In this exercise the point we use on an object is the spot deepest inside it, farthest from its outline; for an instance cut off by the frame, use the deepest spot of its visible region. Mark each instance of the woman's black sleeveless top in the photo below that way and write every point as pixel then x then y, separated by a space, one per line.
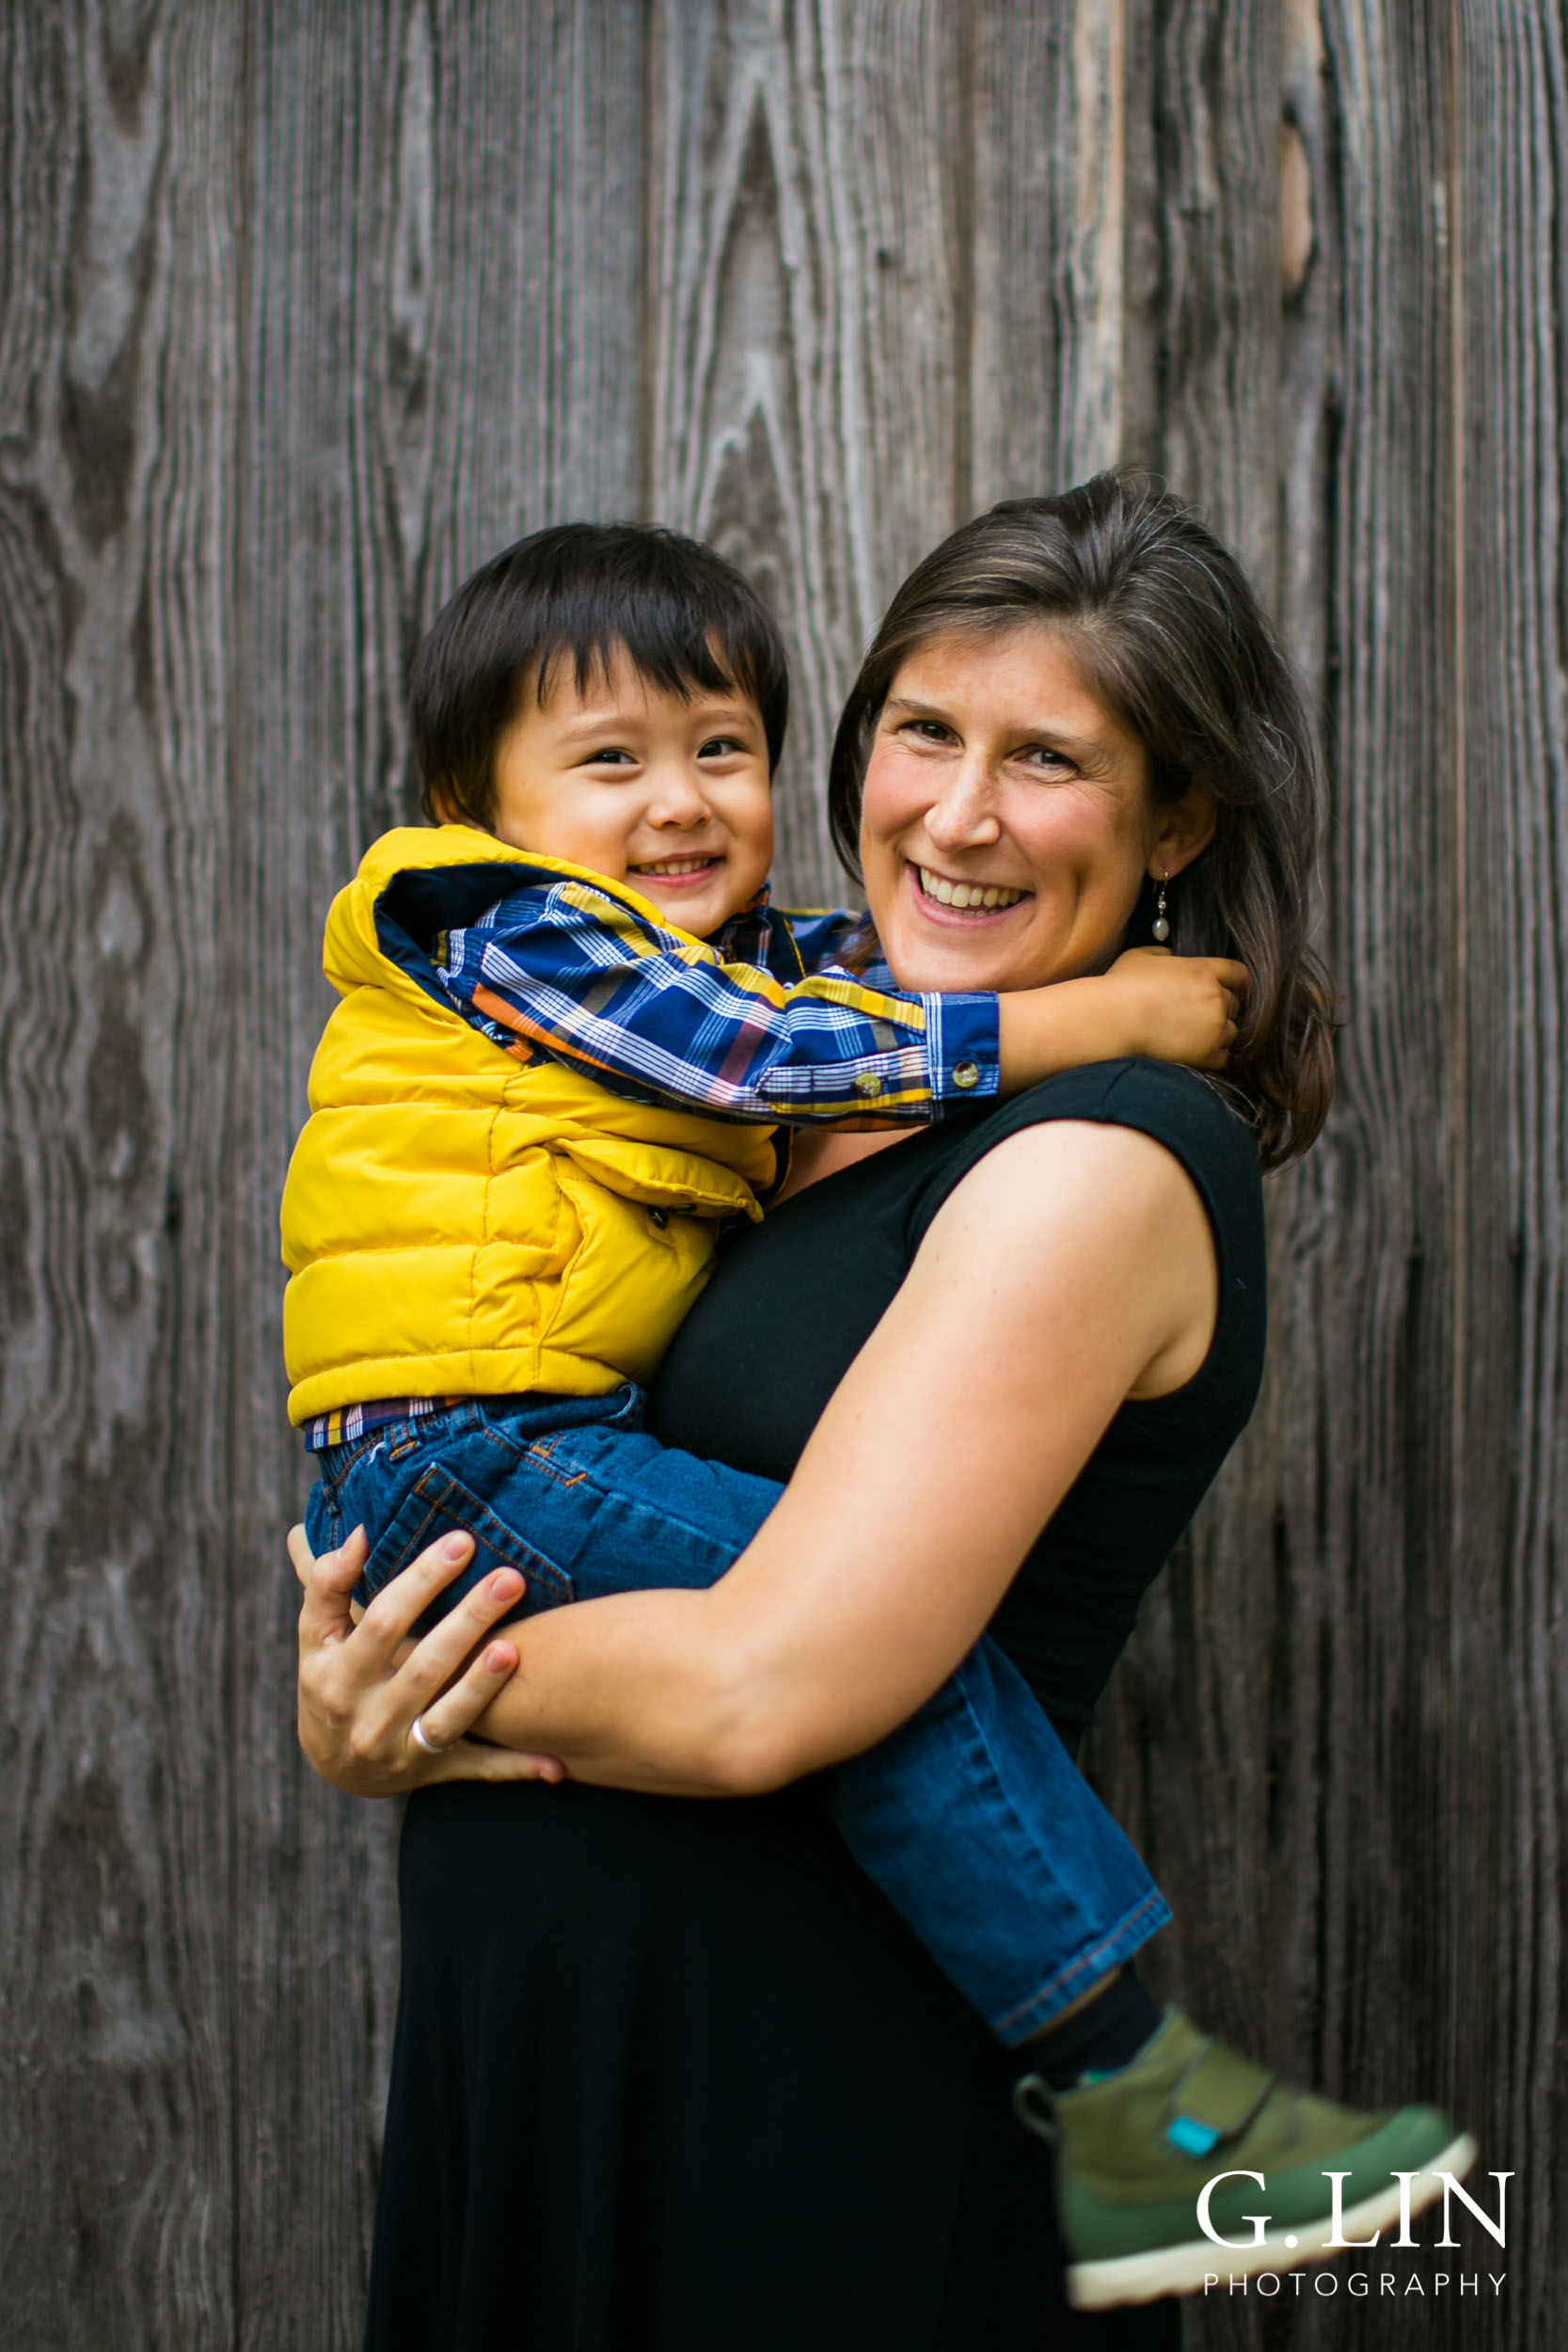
pixel 674 2078
pixel 749 1375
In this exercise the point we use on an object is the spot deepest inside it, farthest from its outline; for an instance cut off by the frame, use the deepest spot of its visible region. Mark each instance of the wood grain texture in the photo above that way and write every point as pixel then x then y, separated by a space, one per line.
pixel 1508 97
pixel 1202 369
pixel 1360 1661
pixel 444 344
pixel 304 309
pixel 1048 139
pixel 119 398
pixel 804 253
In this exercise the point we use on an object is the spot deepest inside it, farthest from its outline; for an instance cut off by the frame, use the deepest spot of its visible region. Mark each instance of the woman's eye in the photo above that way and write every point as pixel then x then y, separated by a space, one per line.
pixel 928 731
pixel 1041 755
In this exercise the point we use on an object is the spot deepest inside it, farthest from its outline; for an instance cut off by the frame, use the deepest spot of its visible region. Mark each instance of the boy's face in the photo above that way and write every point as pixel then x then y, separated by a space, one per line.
pixel 672 797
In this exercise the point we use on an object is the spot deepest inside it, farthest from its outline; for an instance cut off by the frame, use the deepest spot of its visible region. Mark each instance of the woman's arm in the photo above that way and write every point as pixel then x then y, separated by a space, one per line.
pixel 1072 1268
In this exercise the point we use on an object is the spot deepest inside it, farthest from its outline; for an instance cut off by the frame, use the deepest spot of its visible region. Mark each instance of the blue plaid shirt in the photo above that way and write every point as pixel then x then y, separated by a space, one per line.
pixel 763 1022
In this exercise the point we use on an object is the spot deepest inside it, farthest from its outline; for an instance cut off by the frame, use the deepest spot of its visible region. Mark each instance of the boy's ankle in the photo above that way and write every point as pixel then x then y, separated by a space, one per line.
pixel 1096 2034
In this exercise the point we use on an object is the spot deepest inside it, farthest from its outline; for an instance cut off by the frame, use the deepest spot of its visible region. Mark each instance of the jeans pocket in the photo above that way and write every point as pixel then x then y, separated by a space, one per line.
pixel 440 1504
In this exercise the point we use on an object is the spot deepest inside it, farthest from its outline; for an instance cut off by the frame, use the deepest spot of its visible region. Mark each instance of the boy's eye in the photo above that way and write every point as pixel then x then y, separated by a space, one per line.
pixel 610 756
pixel 721 747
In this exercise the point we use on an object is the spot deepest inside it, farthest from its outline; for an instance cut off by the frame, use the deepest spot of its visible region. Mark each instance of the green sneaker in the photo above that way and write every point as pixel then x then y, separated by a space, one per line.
pixel 1135 2152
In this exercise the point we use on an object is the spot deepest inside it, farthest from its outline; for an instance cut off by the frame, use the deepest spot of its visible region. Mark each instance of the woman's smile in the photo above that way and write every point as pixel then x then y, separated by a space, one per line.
pixel 941 896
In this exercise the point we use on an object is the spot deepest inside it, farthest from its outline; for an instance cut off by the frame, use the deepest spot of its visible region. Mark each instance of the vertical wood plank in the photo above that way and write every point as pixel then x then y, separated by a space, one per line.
pixel 1045 364
pixel 1311 358
pixel 1203 312
pixel 444 352
pixel 117 409
pixel 806 255
pixel 1509 1641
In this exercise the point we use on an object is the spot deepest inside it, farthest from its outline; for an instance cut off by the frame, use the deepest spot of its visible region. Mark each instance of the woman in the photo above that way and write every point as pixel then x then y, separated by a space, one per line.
pixel 673 2075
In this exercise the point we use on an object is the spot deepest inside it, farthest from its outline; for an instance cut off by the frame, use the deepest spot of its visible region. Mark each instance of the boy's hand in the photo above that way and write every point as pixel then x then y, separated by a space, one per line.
pixel 1174 1008
pixel 1179 1009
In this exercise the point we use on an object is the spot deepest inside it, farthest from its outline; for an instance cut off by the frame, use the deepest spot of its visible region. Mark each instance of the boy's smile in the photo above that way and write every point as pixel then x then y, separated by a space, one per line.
pixel 672 797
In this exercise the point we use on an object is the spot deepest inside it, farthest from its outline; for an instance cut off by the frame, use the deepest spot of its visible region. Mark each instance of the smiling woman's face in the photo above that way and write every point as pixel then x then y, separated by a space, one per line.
pixel 1007 826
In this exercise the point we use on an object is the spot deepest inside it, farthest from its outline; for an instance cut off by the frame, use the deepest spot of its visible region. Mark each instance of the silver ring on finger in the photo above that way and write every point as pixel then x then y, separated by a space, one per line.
pixel 421 1738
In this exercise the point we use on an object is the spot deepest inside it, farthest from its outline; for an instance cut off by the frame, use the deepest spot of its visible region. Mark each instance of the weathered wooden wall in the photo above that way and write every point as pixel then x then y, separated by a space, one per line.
pixel 1359 1675
pixel 304 309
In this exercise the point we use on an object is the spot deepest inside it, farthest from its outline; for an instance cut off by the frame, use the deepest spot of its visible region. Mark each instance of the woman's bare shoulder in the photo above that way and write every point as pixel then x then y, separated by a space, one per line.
pixel 1103 1215
pixel 1175 1123
pixel 1075 1167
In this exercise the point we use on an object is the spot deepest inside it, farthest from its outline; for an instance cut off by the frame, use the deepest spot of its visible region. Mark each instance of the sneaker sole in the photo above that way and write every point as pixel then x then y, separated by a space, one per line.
pixel 1182 2269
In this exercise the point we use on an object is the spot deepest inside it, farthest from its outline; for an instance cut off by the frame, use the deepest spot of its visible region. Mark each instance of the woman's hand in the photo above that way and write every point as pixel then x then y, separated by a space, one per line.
pixel 363 1688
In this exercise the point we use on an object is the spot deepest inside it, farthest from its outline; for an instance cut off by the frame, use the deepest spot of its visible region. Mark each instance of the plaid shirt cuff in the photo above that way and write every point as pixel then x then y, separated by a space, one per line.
pixel 963 1042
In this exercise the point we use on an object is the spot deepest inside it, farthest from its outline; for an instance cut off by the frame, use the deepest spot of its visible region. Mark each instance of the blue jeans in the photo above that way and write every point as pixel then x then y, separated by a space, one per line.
pixel 973 1818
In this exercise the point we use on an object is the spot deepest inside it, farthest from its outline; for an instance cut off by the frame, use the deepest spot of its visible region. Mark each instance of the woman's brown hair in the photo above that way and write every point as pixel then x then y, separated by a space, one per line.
pixel 1174 643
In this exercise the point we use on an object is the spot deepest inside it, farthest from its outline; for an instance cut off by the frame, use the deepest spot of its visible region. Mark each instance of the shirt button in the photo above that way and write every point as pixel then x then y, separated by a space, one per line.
pixel 966 1074
pixel 869 1083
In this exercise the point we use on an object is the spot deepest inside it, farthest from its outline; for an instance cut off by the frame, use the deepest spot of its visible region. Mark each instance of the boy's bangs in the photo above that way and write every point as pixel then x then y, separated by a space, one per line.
pixel 670 648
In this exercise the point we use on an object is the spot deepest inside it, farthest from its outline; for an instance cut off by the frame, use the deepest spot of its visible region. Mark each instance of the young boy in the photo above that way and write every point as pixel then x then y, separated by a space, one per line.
pixel 492 1248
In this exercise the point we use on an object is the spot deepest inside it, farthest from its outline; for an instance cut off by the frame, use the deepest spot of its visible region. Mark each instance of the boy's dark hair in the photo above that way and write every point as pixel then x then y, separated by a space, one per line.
pixel 582 593
pixel 1172 639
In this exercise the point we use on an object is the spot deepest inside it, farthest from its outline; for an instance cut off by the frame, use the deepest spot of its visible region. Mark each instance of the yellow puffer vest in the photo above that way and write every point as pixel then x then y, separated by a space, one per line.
pixel 459 1221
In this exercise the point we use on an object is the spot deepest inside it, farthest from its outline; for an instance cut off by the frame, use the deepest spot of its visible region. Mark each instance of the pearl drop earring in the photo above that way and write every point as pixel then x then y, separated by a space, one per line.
pixel 1162 926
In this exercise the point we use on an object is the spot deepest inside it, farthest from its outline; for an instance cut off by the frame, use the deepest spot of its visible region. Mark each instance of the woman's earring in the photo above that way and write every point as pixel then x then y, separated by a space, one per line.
pixel 1162 927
